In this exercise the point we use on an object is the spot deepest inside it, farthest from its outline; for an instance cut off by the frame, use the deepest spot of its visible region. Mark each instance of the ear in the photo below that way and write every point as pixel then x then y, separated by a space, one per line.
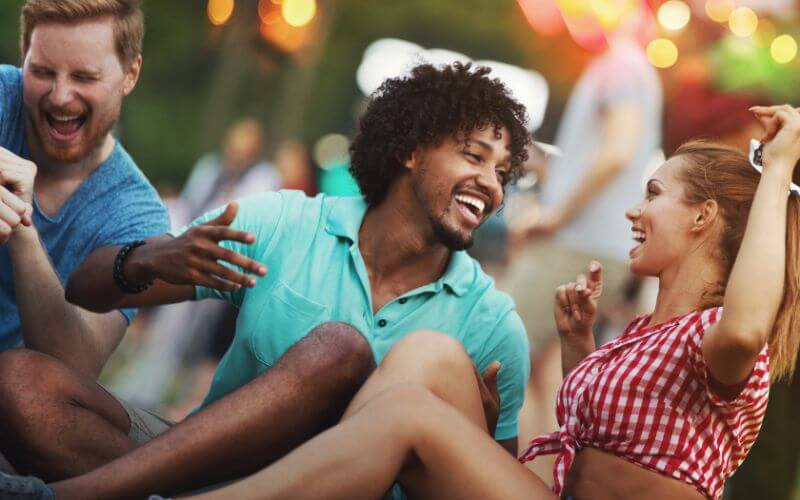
pixel 132 75
pixel 705 216
pixel 412 161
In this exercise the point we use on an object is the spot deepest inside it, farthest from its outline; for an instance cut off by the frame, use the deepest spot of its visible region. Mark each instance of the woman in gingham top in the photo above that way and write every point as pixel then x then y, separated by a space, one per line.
pixel 668 410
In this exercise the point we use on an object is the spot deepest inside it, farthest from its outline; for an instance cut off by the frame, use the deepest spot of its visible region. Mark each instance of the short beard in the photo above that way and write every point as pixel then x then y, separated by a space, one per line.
pixel 448 237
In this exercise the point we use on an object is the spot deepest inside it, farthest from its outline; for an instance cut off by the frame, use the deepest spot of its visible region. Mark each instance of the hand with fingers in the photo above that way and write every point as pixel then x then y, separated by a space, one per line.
pixel 194 257
pixel 781 136
pixel 17 175
pixel 576 302
pixel 13 213
pixel 490 396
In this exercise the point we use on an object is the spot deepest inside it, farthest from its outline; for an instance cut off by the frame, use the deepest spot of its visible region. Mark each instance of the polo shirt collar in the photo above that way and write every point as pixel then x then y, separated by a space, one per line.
pixel 345 220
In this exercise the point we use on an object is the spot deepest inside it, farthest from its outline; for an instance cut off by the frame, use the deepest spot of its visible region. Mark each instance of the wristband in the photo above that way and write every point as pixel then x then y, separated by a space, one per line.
pixel 119 261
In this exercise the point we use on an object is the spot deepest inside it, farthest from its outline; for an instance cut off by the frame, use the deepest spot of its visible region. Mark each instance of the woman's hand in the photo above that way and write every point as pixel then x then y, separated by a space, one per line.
pixel 781 135
pixel 576 302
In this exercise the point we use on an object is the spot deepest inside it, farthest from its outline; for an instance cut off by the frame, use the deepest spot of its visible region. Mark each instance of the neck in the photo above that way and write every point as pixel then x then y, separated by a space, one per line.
pixel 49 169
pixel 398 245
pixel 681 289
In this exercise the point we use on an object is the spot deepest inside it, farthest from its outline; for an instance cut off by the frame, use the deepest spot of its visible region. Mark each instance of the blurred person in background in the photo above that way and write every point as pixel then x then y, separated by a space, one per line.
pixel 348 278
pixel 609 131
pixel 296 165
pixel 68 189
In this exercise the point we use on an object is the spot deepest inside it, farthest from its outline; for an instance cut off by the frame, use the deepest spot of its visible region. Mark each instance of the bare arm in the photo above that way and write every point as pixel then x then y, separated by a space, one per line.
pixel 619 136
pixel 175 265
pixel 756 284
pixel 50 324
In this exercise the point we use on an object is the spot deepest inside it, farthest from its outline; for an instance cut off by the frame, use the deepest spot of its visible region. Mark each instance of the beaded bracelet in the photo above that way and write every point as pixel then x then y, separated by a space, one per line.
pixel 119 261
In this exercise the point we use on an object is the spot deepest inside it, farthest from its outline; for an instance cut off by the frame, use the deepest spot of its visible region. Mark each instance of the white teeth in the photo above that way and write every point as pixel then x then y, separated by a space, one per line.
pixel 639 236
pixel 472 201
pixel 62 118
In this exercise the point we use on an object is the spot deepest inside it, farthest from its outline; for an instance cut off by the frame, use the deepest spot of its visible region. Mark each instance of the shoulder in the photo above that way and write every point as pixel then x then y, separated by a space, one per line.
pixel 10 80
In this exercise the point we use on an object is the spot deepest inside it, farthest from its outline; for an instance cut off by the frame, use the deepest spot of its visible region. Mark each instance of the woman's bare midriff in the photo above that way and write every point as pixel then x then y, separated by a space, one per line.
pixel 598 475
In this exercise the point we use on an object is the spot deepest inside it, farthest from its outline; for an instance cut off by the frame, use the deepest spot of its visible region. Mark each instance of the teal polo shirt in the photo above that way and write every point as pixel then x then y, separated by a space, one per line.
pixel 316 274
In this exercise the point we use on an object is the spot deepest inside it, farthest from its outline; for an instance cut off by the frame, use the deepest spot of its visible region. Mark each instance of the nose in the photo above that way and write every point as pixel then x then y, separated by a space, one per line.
pixel 62 92
pixel 487 180
pixel 634 212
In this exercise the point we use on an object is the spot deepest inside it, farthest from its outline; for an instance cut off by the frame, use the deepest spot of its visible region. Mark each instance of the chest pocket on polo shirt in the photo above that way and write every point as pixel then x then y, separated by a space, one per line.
pixel 285 317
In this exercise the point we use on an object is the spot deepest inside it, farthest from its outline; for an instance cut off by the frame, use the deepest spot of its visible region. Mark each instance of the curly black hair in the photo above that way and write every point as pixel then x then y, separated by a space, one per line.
pixel 425 108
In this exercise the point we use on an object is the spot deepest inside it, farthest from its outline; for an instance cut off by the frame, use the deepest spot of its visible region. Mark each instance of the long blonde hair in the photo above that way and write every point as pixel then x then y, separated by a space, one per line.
pixel 721 173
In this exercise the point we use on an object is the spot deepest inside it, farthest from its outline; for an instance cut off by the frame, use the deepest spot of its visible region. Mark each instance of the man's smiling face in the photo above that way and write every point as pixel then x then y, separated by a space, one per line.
pixel 459 182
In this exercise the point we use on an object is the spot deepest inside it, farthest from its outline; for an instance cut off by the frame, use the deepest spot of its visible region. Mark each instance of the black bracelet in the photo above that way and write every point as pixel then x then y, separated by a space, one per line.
pixel 119 261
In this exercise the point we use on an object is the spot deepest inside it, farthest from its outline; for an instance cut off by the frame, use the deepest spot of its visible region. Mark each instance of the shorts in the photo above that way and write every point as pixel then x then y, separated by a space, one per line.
pixel 542 267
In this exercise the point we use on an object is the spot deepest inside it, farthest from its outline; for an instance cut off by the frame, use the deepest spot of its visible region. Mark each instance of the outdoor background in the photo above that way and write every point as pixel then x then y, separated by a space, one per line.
pixel 208 63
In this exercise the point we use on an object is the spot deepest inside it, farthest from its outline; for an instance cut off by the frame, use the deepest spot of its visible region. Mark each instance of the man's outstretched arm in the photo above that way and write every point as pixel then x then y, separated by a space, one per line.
pixel 174 265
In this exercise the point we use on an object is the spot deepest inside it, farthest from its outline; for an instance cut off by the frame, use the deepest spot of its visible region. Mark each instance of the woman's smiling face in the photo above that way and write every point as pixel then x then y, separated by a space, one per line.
pixel 662 223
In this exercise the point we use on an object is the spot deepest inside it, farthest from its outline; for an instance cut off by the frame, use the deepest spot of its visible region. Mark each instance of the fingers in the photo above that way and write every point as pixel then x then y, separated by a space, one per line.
pixel 226 217
pixel 245 263
pixel 13 202
pixel 225 233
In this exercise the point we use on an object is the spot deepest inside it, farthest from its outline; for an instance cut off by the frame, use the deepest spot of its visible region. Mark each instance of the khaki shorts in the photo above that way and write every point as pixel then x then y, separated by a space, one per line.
pixel 542 267
pixel 145 425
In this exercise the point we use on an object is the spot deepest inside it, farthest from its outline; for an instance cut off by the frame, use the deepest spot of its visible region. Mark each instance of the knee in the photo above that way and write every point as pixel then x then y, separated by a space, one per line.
pixel 432 354
pixel 339 348
pixel 26 376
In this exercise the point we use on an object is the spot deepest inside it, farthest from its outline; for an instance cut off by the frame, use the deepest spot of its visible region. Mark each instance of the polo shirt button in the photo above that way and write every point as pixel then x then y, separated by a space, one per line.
pixel 403 300
pixel 382 323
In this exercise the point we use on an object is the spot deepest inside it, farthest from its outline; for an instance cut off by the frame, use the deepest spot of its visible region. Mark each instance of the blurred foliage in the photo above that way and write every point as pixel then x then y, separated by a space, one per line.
pixel 198 78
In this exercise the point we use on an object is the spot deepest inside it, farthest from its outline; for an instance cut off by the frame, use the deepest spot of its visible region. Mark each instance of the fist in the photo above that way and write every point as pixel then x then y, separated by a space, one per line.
pixel 17 175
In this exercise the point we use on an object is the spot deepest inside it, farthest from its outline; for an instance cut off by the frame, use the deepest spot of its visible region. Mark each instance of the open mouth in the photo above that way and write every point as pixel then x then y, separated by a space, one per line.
pixel 471 207
pixel 63 127
pixel 639 237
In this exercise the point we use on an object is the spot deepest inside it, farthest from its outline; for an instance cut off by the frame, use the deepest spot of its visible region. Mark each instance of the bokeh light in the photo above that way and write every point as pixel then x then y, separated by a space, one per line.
pixel 543 16
pixel 269 11
pixel 219 11
pixel 743 21
pixel 674 15
pixel 607 13
pixel 719 10
pixel 331 150
pixel 783 49
pixel 298 12
pixel 765 33
pixel 662 53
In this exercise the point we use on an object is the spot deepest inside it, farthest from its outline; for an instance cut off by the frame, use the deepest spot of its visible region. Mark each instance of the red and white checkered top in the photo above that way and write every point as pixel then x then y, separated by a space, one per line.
pixel 645 397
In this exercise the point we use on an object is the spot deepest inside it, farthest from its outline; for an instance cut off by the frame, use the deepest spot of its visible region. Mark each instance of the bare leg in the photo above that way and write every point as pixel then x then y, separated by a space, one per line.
pixel 434 441
pixel 55 422
pixel 303 394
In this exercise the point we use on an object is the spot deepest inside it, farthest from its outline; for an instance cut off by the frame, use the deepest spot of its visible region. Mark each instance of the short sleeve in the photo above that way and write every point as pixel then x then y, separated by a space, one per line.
pixel 511 349
pixel 258 214
pixel 10 107
pixel 755 389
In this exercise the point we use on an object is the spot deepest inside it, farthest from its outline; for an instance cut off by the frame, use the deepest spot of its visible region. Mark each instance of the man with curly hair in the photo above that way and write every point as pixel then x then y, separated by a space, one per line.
pixel 348 278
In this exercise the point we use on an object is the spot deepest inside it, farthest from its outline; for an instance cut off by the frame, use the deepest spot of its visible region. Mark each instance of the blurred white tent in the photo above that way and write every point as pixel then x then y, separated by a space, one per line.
pixel 390 57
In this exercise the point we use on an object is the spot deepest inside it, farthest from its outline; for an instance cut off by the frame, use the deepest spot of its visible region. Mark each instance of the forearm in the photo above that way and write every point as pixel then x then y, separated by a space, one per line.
pixel 756 283
pixel 49 323
pixel 596 180
pixel 574 349
pixel 92 284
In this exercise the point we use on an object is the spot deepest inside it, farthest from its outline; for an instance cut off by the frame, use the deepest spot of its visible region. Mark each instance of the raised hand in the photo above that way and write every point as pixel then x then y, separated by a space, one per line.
pixel 781 134
pixel 193 257
pixel 576 302
pixel 13 213
pixel 17 175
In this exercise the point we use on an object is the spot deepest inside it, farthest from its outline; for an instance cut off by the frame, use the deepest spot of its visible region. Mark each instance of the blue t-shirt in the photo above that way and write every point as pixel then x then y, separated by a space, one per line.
pixel 114 206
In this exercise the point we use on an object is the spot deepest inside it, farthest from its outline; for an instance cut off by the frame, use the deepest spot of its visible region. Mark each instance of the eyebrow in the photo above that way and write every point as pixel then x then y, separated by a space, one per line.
pixel 488 147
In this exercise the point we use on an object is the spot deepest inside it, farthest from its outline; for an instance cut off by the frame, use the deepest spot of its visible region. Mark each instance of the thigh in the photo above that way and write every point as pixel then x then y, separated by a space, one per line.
pixel 455 459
